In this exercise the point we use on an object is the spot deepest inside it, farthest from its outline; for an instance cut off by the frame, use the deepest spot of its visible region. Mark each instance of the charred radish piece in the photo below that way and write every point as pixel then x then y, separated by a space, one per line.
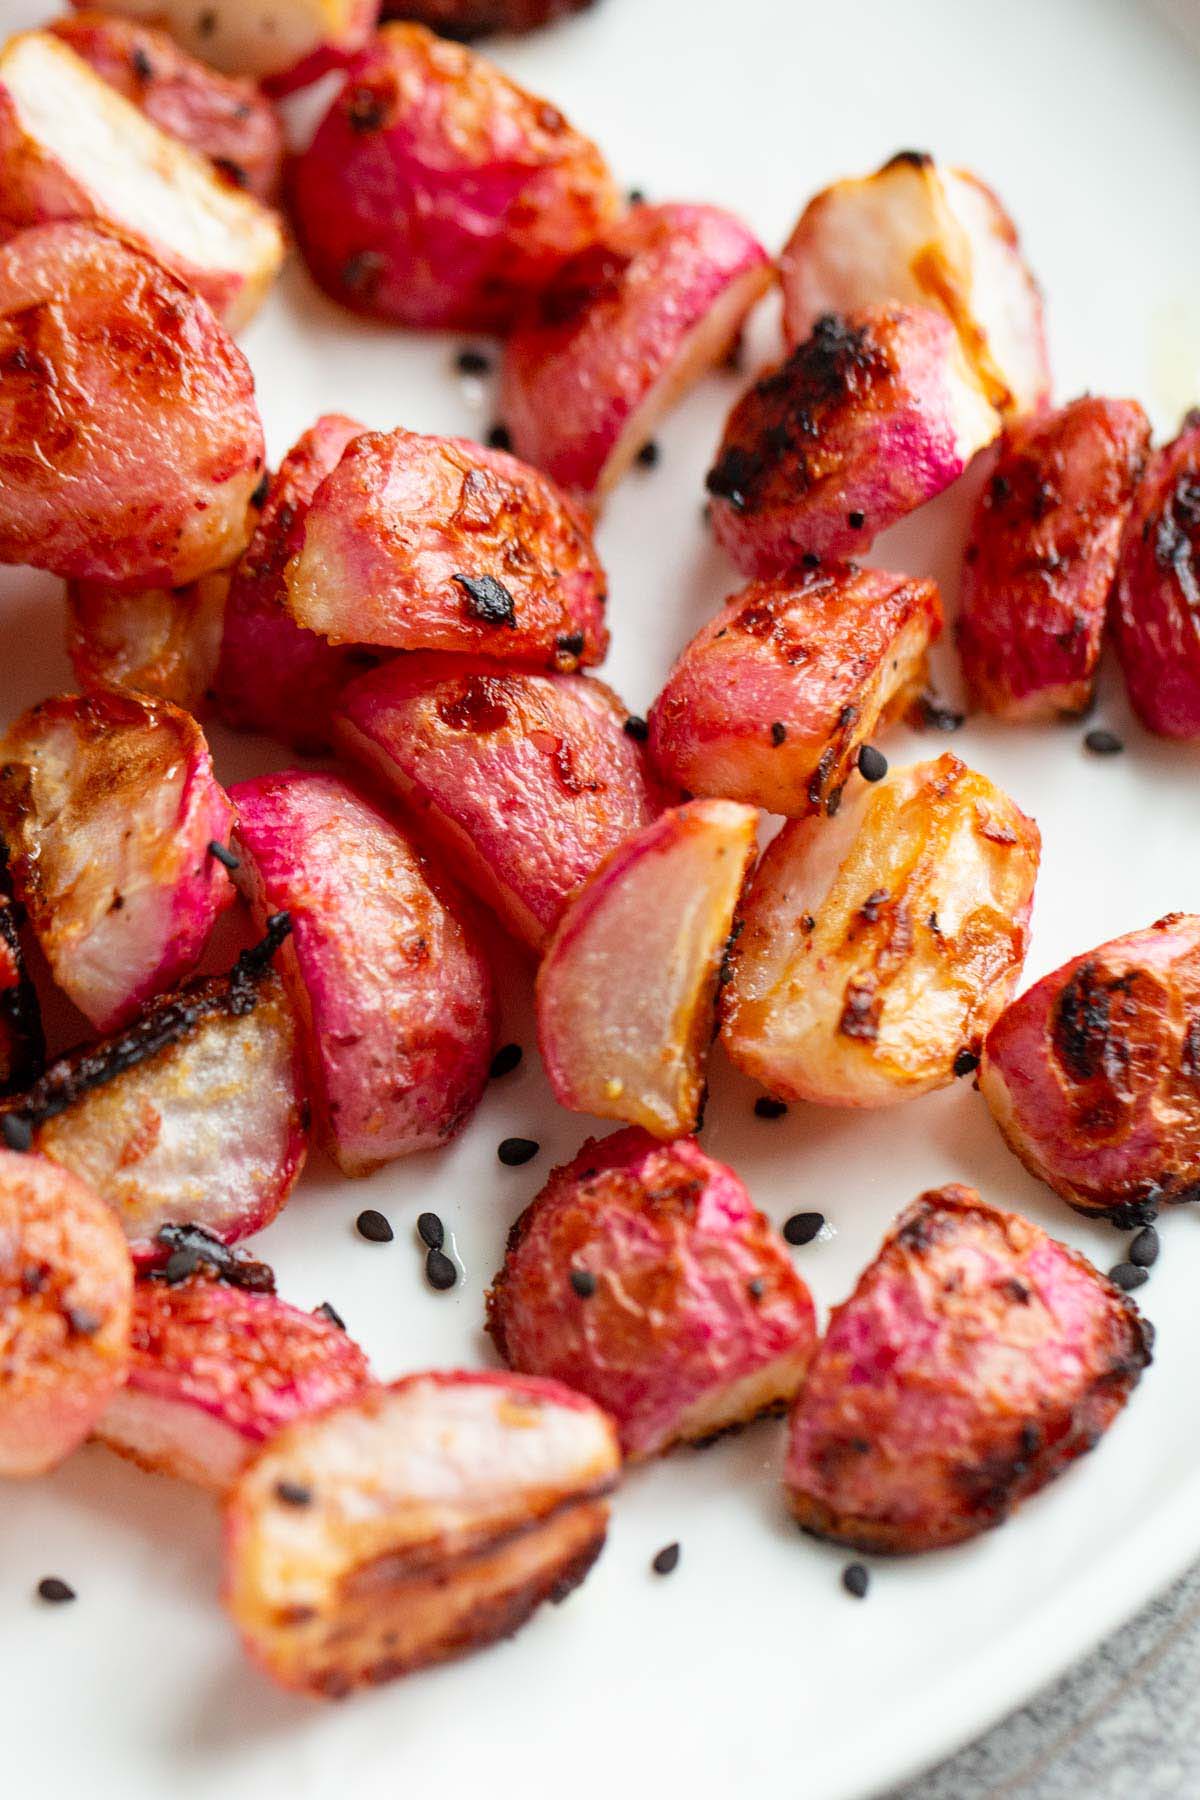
pixel 274 675
pixel 642 1276
pixel 626 989
pixel 283 43
pixel 974 1361
pixel 1093 1075
pixel 467 19
pixel 214 1371
pixel 621 333
pixel 163 642
pixel 871 416
pixel 772 702
pixel 413 1524
pixel 65 1286
pixel 22 1046
pixel 1156 602
pixel 229 121
pixel 55 113
pixel 108 803
pixel 193 1113
pixel 526 781
pixel 437 193
pixel 395 994
pixel 426 543
pixel 923 235
pixel 878 946
pixel 1042 555
pixel 101 353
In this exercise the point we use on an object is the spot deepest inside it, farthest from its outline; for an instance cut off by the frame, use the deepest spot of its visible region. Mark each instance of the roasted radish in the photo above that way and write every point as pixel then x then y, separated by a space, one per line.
pixel 626 989
pixel 873 414
pixel 466 19
pixel 1093 1075
pixel 924 235
pixel 194 1113
pixel 22 1046
pixel 878 946
pixel 974 1361
pixel 227 120
pixel 72 147
pixel 428 543
pixel 395 994
pixel 158 641
pixel 130 444
pixel 621 332
pixel 1042 555
pixel 773 700
pixel 214 1371
pixel 438 193
pixel 284 43
pixel 65 1285
pixel 642 1276
pixel 413 1524
pixel 274 675
pixel 526 781
pixel 108 803
pixel 1156 603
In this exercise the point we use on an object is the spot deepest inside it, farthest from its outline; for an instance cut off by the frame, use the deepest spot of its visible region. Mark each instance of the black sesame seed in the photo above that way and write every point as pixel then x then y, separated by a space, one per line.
pixel 430 1230
pixel 965 1063
pixel 16 1131
pixel 637 728
pixel 767 1108
pixel 506 1059
pixel 648 455
pixel 570 643
pixel 373 1226
pixel 667 1560
pixel 1127 1275
pixel 756 1288
pixel 856 520
pixel 472 362
pixel 514 1151
pixel 224 856
pixel 55 1591
pixel 1143 1250
pixel 778 733
pixel 488 599
pixel 499 437
pixel 584 1283
pixel 440 1271
pixel 872 763
pixel 856 1580
pixel 1103 743
pixel 810 560
pixel 802 1228
pixel 636 197
pixel 293 1493
pixel 142 67
pixel 331 1314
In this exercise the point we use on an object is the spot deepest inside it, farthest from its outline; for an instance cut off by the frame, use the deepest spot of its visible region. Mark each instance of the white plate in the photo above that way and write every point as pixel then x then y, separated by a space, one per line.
pixel 749 1665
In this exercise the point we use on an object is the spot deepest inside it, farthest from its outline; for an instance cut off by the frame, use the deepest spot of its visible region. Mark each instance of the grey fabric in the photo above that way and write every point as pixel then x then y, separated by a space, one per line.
pixel 1124 1723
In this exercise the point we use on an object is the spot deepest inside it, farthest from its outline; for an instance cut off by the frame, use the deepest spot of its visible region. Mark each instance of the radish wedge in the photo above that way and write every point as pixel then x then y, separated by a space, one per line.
pixel 626 989
pixel 413 1524
pixel 215 1371
pixel 108 803
pixel 395 994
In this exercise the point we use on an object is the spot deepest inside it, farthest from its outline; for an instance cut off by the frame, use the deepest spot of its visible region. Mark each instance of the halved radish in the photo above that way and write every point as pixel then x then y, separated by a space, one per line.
pixel 620 334
pixel 626 989
pixel 215 1371
pixel 413 1524
pixel 109 803
pixel 65 1286
pixel 194 1113
pixel 394 992
pixel 72 147
pixel 158 641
